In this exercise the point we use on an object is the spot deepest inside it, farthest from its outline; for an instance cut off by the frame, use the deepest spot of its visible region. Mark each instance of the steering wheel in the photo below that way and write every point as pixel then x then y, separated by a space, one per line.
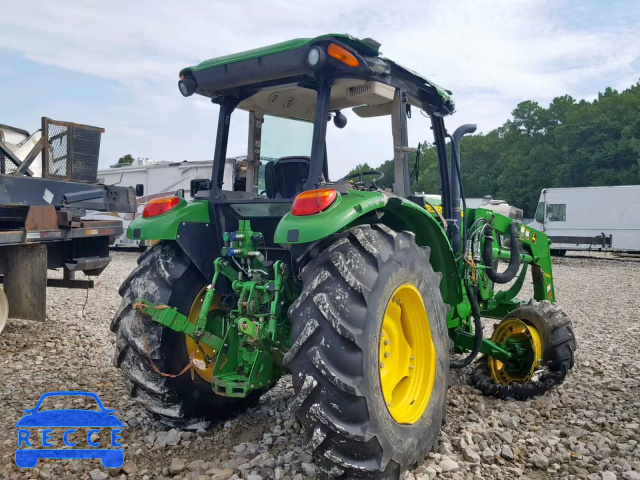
pixel 360 176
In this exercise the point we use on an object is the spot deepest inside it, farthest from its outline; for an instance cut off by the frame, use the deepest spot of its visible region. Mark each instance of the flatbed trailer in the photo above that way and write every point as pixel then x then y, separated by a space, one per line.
pixel 42 224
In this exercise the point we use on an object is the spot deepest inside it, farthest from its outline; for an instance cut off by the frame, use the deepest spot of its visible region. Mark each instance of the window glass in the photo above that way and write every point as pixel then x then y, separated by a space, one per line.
pixel 281 137
pixel 539 217
pixel 557 212
pixel 285 137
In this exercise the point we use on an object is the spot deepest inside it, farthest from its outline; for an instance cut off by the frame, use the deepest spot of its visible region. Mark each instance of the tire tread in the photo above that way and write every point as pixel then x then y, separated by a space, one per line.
pixel 329 399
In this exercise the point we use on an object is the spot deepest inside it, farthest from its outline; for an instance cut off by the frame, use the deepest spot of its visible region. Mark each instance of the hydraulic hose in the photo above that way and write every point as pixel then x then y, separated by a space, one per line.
pixel 514 262
pixel 472 293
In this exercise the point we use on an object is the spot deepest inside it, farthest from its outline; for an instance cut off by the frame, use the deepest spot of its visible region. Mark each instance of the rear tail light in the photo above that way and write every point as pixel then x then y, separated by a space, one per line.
pixel 158 206
pixel 313 201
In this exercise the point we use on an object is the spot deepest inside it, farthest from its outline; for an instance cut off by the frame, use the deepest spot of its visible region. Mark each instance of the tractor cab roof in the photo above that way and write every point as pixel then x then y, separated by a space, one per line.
pixel 280 79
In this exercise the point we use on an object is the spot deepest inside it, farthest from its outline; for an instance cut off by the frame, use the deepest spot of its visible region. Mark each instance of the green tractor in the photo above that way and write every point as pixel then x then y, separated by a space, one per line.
pixel 366 296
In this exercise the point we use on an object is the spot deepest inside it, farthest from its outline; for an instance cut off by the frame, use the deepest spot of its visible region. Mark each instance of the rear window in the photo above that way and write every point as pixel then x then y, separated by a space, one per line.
pixel 556 212
pixel 262 209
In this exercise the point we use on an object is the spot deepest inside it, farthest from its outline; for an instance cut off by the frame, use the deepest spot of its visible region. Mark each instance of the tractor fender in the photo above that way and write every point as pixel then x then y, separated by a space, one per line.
pixel 367 207
pixel 401 214
pixel 165 226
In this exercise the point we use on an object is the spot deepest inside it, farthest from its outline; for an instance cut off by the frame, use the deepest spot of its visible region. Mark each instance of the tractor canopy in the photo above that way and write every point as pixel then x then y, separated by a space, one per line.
pixel 354 64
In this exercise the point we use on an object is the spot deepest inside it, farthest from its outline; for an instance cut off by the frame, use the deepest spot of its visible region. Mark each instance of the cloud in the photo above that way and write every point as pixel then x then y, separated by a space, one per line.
pixel 492 54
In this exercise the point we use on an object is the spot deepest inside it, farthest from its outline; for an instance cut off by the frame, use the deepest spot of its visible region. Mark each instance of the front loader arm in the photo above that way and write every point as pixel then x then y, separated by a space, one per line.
pixel 535 252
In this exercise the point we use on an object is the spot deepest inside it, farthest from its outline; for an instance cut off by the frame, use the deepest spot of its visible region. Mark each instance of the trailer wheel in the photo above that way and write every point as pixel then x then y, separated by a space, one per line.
pixel 370 359
pixel 4 309
pixel 165 275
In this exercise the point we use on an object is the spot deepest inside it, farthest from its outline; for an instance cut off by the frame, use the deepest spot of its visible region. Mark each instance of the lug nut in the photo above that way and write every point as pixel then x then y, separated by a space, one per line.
pixel 381 364
pixel 386 342
pixel 386 354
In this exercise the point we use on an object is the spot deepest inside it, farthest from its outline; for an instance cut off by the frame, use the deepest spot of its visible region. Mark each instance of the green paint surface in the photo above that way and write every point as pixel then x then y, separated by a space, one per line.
pixel 344 211
pixel 281 47
pixel 165 226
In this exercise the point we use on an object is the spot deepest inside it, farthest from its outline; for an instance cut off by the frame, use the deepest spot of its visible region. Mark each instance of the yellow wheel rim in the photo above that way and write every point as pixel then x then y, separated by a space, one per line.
pixel 407 359
pixel 203 369
pixel 516 329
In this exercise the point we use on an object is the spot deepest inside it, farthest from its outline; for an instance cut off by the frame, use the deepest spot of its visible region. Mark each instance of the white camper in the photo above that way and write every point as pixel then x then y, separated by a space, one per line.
pixel 157 179
pixel 590 218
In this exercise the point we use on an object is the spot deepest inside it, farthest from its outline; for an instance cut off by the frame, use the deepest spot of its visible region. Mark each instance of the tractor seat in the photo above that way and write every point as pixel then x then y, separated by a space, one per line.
pixel 285 177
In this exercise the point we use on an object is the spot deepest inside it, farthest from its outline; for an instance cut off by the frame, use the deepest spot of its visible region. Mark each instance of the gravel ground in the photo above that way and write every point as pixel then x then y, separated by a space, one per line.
pixel 588 428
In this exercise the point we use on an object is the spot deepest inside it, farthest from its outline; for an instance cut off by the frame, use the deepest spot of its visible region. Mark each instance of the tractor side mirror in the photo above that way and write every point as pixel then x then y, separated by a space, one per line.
pixel 139 190
pixel 198 184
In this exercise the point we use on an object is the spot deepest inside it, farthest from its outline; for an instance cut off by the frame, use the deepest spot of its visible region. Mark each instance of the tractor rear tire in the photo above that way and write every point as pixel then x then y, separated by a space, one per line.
pixel 337 357
pixel 558 346
pixel 165 276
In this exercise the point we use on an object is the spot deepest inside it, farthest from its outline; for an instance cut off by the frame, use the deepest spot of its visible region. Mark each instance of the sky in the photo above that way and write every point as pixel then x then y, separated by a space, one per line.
pixel 115 64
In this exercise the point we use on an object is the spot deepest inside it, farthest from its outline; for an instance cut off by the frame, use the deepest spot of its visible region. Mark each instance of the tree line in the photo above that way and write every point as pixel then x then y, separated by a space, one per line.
pixel 567 144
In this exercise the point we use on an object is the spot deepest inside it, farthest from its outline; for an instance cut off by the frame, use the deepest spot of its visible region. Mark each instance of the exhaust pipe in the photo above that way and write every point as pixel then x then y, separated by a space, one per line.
pixel 457 193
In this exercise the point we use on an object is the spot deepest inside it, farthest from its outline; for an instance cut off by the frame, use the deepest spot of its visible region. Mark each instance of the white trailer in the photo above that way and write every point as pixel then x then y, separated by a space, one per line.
pixel 151 179
pixel 590 218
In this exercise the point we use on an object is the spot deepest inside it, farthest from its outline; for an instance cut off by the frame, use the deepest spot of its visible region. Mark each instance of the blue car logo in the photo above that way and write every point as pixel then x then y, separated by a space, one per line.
pixel 69 419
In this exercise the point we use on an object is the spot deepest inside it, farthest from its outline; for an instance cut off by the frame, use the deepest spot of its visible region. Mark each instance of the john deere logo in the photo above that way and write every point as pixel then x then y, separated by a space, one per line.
pixel 36 434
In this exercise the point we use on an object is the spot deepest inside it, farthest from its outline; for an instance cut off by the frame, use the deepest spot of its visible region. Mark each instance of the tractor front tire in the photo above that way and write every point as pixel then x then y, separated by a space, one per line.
pixel 165 276
pixel 359 293
pixel 558 346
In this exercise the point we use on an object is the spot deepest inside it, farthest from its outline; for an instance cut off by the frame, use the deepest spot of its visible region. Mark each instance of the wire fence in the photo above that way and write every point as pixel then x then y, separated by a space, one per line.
pixel 71 151
pixel 6 165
